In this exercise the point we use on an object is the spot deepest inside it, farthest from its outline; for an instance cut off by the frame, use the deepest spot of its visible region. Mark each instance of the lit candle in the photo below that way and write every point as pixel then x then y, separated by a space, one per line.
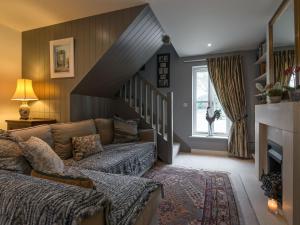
pixel 273 206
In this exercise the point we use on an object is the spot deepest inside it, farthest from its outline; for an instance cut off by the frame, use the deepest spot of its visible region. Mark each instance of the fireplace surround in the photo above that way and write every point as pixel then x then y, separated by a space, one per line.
pixel 284 118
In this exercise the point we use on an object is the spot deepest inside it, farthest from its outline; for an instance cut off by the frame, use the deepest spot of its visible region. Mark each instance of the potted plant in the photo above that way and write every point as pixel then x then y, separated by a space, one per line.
pixel 274 93
pixel 262 96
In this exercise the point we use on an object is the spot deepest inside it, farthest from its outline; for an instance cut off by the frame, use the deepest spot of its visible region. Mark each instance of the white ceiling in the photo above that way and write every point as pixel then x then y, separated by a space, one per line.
pixel 230 25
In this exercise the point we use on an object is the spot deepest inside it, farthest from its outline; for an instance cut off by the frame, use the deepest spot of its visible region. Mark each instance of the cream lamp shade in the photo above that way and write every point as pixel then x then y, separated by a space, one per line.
pixel 24 91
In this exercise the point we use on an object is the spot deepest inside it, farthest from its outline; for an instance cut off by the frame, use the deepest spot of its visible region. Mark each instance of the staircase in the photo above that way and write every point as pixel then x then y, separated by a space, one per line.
pixel 156 109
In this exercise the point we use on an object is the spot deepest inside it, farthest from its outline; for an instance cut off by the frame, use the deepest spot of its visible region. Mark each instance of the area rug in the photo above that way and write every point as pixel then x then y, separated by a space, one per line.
pixel 195 197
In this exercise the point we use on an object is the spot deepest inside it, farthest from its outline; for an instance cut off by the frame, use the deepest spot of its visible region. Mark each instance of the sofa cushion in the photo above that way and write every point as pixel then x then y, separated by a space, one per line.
pixel 105 127
pixel 43 132
pixel 125 130
pixel 63 133
pixel 127 159
pixel 86 145
pixel 41 156
pixel 11 157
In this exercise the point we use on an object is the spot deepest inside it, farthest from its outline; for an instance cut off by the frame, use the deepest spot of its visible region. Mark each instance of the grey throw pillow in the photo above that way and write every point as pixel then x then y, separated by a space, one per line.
pixel 41 156
pixel 125 130
pixel 11 157
pixel 86 146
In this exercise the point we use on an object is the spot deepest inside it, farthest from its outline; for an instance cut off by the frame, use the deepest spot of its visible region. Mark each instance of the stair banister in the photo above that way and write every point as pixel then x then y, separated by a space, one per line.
pixel 159 105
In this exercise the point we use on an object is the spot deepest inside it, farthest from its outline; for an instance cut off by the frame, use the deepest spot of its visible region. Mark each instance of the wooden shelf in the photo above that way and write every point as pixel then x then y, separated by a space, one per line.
pixel 262 77
pixel 262 59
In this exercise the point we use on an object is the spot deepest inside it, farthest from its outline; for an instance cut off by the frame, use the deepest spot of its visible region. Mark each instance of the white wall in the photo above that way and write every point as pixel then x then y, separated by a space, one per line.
pixel 10 71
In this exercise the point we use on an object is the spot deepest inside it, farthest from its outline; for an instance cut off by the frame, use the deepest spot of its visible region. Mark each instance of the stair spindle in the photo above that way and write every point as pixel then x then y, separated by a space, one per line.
pixel 136 93
pixel 157 113
pixel 163 117
pixel 141 98
pixel 146 102
pixel 125 92
pixel 130 92
pixel 152 107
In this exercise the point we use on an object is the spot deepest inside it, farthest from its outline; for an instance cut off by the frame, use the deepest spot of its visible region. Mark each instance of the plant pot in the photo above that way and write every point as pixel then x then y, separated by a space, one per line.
pixel 274 99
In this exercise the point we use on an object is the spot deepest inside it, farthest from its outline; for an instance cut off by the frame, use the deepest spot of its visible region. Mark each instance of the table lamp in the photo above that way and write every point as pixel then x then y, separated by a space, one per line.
pixel 24 93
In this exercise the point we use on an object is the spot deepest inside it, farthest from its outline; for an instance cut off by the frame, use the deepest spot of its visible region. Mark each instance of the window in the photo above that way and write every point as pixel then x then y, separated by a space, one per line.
pixel 204 95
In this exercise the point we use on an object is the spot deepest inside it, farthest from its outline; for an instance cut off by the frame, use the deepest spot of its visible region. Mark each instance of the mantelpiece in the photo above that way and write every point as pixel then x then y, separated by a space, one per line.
pixel 284 117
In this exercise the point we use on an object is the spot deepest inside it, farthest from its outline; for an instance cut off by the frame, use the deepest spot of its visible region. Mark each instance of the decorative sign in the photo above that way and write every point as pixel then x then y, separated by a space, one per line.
pixel 163 70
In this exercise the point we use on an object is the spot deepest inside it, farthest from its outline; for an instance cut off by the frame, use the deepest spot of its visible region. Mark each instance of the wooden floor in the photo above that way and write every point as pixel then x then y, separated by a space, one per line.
pixel 213 160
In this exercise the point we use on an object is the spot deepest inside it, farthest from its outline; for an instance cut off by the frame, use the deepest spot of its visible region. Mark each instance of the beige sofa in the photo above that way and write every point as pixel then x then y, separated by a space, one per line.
pixel 126 159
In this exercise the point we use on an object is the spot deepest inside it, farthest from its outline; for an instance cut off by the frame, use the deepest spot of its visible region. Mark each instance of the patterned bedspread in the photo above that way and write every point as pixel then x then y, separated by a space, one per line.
pixel 28 200
pixel 128 159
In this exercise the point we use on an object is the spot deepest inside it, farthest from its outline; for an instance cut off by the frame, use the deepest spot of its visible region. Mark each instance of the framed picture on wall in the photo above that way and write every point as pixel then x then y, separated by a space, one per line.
pixel 163 70
pixel 62 58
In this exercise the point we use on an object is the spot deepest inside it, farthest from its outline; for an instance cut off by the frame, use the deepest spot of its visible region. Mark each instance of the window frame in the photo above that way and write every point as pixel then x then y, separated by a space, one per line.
pixel 196 69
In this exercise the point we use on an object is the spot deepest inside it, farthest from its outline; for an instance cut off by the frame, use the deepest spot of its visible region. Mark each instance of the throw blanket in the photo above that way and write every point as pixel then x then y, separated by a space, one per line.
pixel 127 159
pixel 30 201
pixel 128 194
pixel 26 200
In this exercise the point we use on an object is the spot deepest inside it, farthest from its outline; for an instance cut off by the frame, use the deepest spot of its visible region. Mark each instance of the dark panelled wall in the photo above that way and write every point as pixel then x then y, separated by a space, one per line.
pixel 86 107
pixel 132 50
pixel 93 37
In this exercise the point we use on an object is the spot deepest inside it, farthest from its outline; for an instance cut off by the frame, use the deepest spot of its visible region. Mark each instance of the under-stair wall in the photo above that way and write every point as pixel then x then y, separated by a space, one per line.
pixel 95 38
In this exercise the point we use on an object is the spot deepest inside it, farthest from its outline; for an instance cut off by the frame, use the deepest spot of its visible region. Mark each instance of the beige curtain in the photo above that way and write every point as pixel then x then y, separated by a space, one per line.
pixel 283 60
pixel 226 74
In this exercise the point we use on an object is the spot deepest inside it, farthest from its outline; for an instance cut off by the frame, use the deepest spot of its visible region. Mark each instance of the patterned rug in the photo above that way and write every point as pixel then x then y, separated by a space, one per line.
pixel 195 197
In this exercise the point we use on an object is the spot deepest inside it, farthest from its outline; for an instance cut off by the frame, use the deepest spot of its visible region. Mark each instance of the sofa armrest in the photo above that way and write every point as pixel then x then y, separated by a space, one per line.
pixel 147 135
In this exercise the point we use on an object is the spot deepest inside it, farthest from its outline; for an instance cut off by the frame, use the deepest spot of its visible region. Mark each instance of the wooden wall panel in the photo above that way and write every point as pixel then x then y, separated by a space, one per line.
pixel 126 56
pixel 93 37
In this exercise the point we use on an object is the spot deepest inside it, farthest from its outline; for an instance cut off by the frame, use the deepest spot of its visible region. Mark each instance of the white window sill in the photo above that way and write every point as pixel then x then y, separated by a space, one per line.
pixel 204 136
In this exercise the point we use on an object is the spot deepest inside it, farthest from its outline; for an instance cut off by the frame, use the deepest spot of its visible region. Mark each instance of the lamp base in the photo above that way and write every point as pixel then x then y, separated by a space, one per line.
pixel 24 111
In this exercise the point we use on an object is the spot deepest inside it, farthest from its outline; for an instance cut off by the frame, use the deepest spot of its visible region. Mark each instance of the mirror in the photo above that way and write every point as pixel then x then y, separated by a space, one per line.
pixel 284 56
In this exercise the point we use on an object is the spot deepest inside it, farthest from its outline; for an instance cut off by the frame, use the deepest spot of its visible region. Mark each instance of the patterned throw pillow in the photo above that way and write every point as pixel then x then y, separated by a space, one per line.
pixel 41 156
pixel 86 145
pixel 125 130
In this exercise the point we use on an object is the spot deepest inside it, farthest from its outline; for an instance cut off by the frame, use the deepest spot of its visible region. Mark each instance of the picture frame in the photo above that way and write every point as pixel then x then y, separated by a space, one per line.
pixel 163 70
pixel 62 58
